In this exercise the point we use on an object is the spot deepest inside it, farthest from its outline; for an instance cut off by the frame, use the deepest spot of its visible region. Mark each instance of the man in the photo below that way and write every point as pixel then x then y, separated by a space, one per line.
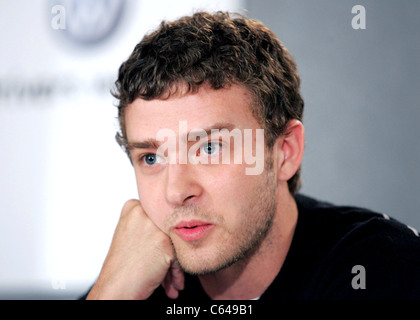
pixel 206 228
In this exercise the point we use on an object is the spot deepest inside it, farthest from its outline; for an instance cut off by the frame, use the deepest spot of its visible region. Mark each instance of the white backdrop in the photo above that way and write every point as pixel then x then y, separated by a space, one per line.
pixel 63 177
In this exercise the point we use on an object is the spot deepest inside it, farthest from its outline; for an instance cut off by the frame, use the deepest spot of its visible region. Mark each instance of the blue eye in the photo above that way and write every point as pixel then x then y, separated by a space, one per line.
pixel 150 159
pixel 210 147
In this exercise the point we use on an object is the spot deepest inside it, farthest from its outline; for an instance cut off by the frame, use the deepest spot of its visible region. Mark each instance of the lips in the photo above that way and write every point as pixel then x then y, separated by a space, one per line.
pixel 193 230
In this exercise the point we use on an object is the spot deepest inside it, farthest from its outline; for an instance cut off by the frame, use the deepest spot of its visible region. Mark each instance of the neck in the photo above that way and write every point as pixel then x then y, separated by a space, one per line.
pixel 249 278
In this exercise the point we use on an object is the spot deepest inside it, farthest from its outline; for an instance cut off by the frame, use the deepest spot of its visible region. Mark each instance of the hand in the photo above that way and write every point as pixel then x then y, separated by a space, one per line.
pixel 141 257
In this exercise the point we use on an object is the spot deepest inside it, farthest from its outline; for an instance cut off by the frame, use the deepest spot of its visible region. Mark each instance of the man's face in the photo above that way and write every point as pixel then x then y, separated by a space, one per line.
pixel 215 214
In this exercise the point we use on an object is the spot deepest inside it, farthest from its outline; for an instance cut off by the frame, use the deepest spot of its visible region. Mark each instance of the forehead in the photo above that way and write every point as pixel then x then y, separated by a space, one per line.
pixel 144 118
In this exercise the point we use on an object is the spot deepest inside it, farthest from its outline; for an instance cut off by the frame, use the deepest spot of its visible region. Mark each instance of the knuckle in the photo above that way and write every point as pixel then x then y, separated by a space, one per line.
pixel 130 206
pixel 132 203
pixel 163 244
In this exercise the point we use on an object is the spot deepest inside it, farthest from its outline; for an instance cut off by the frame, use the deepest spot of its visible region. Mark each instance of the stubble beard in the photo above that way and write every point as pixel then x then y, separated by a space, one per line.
pixel 235 245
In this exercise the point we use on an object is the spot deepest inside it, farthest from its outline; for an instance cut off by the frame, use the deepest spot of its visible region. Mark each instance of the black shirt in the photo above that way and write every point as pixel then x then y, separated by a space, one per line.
pixel 339 253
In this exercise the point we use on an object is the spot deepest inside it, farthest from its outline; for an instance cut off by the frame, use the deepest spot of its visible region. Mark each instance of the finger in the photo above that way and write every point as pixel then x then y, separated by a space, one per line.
pixel 178 277
pixel 173 281
pixel 170 290
pixel 166 284
pixel 130 204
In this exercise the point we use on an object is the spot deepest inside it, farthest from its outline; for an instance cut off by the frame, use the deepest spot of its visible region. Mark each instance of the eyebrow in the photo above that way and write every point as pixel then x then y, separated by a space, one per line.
pixel 198 133
pixel 146 144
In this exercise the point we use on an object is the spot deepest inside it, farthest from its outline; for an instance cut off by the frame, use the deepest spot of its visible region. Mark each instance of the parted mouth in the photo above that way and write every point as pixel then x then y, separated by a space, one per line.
pixel 193 230
pixel 191 224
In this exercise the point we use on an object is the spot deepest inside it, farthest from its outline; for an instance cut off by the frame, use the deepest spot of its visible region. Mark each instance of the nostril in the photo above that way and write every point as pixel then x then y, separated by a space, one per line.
pixel 188 198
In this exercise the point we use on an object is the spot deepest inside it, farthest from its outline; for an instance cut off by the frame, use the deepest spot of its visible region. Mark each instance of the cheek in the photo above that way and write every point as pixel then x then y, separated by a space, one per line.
pixel 231 191
pixel 149 197
pixel 234 186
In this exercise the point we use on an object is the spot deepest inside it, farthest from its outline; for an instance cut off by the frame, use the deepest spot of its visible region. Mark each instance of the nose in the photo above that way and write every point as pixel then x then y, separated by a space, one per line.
pixel 181 184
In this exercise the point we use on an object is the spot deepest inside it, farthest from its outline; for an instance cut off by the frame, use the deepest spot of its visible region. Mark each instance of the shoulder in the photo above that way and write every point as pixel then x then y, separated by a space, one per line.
pixel 366 254
pixel 348 222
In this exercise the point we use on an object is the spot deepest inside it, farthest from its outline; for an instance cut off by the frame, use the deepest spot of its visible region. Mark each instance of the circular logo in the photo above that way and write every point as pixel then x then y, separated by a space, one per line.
pixel 89 21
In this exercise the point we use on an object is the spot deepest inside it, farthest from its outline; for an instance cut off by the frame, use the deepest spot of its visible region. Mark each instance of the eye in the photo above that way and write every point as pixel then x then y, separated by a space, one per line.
pixel 210 148
pixel 151 158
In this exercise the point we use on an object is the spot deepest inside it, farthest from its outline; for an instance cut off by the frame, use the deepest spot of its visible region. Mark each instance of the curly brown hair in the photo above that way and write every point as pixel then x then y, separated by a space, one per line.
pixel 220 49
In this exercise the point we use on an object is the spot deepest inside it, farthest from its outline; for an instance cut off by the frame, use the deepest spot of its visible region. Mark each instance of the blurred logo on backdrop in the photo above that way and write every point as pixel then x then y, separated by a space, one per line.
pixel 82 24
pixel 88 22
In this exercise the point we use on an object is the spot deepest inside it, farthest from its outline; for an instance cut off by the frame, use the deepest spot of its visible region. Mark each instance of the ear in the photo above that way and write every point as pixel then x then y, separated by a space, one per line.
pixel 290 148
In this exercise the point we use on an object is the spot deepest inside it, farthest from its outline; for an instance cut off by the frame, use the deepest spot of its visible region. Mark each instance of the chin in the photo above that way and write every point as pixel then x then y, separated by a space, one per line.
pixel 198 260
pixel 203 261
pixel 198 268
